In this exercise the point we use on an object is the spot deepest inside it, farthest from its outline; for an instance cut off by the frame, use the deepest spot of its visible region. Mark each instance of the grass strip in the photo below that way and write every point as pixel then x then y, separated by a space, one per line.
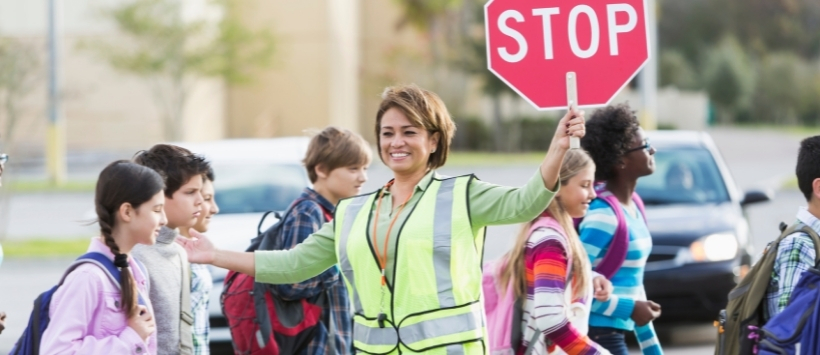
pixel 493 159
pixel 32 186
pixel 44 247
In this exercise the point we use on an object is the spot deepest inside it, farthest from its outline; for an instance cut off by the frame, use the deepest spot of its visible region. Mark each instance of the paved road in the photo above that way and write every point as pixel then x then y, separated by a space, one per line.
pixel 756 159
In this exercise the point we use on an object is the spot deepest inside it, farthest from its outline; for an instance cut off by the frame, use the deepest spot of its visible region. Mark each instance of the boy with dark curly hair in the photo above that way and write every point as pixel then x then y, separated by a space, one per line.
pixel 167 263
pixel 622 154
pixel 795 253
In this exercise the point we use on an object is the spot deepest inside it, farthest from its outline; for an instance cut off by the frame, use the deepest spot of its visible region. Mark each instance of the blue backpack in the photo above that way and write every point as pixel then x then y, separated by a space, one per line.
pixel 29 342
pixel 796 330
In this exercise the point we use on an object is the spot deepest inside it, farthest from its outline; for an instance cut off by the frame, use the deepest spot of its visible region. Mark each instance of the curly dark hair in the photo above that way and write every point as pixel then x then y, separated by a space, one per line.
pixel 610 131
pixel 175 164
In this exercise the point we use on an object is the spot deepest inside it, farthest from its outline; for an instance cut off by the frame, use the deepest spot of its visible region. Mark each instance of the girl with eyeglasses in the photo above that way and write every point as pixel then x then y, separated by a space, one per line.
pixel 614 231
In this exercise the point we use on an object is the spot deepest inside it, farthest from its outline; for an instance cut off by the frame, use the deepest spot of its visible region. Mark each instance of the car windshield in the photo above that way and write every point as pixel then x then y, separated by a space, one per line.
pixel 247 188
pixel 683 175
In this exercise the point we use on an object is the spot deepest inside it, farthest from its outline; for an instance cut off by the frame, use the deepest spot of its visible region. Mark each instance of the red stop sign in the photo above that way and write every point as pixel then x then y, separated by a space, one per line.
pixel 532 45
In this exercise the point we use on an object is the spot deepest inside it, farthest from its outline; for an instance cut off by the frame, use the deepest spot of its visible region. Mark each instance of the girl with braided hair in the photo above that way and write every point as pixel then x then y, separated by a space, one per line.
pixel 89 313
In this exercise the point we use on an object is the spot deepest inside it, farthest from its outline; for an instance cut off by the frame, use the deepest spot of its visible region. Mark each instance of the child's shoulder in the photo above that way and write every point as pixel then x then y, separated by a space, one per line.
pixel 599 207
pixel 797 240
pixel 89 275
pixel 599 204
pixel 306 208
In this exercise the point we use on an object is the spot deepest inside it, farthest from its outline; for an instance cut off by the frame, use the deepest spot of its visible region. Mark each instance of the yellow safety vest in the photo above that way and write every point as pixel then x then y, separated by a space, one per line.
pixel 434 304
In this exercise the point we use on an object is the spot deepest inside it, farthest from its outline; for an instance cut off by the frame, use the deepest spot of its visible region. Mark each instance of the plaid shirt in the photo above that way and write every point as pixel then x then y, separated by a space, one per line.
pixel 795 254
pixel 201 285
pixel 305 219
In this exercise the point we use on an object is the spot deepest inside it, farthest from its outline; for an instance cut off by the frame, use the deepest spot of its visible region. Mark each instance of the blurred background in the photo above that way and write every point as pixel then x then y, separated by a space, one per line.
pixel 112 76
pixel 84 82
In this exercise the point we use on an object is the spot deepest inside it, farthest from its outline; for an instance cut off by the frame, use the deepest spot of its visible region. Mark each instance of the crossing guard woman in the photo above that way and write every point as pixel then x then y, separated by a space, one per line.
pixel 411 251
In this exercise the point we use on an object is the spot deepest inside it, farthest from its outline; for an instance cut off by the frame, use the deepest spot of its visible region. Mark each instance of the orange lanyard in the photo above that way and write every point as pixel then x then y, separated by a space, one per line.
pixel 383 258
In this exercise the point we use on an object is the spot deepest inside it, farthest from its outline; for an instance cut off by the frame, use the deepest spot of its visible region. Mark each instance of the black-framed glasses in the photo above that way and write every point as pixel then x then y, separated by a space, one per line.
pixel 646 146
pixel 4 158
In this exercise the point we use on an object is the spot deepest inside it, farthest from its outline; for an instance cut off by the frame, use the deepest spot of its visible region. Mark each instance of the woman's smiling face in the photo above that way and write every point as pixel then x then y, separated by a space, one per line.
pixel 403 147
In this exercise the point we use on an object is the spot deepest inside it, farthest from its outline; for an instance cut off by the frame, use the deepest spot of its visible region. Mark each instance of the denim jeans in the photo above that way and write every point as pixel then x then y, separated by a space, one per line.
pixel 611 339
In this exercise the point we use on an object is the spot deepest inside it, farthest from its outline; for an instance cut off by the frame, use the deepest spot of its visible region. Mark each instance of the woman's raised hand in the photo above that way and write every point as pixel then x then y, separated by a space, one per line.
pixel 199 247
pixel 571 125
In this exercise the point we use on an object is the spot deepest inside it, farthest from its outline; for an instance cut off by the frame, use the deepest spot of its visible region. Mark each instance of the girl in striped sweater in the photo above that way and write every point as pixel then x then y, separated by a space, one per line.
pixel 549 266
pixel 622 154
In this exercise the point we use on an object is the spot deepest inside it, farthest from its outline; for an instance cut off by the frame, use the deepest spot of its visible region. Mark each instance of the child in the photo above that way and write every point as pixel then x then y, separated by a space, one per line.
pixel 166 261
pixel 795 253
pixel 201 280
pixel 336 163
pixel 546 249
pixel 622 154
pixel 89 314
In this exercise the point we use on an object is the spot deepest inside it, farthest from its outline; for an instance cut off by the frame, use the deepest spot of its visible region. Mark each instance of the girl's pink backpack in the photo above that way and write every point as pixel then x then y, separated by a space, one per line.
pixel 500 308
pixel 504 313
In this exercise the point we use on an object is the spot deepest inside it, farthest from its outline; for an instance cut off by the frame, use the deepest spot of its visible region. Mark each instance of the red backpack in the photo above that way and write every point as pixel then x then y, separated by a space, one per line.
pixel 260 322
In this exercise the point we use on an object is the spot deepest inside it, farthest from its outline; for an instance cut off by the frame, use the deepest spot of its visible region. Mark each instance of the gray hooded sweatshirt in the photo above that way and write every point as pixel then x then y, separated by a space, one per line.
pixel 165 272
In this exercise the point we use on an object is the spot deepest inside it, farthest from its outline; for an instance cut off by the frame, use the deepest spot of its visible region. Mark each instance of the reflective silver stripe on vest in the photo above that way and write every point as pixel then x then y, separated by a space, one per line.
pixel 442 243
pixel 375 336
pixel 351 214
pixel 438 327
pixel 455 349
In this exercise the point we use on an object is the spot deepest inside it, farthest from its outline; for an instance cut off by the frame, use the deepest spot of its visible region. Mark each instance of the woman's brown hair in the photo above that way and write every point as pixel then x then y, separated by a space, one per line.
pixel 123 182
pixel 424 109
pixel 575 161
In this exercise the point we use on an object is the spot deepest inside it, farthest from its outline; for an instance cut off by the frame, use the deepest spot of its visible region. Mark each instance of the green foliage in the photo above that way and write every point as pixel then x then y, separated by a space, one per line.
pixel 728 76
pixel 19 70
pixel 675 70
pixel 472 135
pixel 475 59
pixel 787 90
pixel 160 42
pixel 757 59
pixel 171 51
pixel 761 26
pixel 467 158
pixel 420 13
pixel 520 134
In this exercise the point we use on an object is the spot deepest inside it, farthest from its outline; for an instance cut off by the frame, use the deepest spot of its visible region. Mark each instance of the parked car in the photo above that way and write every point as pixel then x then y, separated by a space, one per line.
pixel 700 234
pixel 252 176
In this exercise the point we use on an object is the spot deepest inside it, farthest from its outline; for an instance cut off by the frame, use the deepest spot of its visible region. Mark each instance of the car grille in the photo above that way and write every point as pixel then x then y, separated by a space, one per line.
pixel 219 322
pixel 660 257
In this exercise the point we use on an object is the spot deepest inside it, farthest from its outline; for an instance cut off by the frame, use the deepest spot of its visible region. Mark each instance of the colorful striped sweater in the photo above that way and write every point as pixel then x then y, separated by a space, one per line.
pixel 596 233
pixel 548 293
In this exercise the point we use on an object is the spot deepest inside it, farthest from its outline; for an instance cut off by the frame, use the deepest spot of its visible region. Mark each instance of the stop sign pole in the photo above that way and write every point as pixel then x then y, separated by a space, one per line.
pixel 593 48
pixel 572 102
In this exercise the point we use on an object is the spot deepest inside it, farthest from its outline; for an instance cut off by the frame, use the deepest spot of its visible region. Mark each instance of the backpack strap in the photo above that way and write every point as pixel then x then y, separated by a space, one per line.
pixel 106 265
pixel 618 247
pixel 260 242
pixel 186 319
pixel 802 228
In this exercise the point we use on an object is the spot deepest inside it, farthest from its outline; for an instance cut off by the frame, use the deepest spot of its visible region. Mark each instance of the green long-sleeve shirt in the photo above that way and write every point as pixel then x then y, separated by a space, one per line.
pixel 490 204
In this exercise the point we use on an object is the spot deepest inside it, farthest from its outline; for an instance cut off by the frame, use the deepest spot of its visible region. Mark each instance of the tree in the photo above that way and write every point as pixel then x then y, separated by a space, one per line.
pixel 675 70
pixel 474 61
pixel 786 90
pixel 172 52
pixel 440 22
pixel 729 78
pixel 19 71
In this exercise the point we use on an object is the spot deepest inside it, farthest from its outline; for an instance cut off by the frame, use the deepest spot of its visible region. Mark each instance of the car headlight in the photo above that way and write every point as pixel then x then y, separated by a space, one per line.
pixel 714 247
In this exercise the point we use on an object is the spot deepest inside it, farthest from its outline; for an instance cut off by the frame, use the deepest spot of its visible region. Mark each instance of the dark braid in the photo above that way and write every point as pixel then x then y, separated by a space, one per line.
pixel 119 183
